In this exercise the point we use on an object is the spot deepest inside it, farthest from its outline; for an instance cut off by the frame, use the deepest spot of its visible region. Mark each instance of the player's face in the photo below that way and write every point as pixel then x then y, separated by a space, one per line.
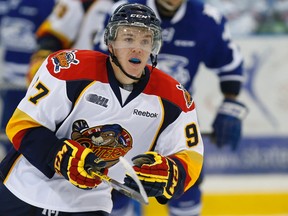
pixel 132 47
pixel 170 5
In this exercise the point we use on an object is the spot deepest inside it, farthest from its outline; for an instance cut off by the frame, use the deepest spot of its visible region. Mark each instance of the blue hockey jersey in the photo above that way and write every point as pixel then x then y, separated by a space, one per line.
pixel 3 8
pixel 196 34
pixel 17 36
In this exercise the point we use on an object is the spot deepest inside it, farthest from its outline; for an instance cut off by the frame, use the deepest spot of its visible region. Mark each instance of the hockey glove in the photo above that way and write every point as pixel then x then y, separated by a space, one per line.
pixel 158 174
pixel 72 161
pixel 228 123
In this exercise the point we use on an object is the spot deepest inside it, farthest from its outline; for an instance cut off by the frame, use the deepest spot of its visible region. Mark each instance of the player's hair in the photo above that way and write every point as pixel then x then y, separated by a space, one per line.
pixel 136 15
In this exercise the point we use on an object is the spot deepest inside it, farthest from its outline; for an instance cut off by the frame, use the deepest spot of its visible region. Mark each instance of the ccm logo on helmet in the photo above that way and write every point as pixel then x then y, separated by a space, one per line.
pixel 139 16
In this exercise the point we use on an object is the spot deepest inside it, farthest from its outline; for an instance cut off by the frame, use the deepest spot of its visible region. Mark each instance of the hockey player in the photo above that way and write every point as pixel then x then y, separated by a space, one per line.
pixel 81 103
pixel 195 33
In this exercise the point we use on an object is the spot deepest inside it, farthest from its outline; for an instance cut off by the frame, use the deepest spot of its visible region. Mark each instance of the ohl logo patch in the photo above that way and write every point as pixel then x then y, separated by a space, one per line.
pixel 186 95
pixel 64 60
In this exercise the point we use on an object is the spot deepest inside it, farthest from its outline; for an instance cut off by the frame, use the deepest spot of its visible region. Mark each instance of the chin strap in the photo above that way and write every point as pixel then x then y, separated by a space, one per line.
pixel 116 62
pixel 153 61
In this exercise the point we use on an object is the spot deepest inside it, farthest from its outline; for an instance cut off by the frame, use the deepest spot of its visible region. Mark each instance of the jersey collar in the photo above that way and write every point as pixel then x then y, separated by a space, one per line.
pixel 137 89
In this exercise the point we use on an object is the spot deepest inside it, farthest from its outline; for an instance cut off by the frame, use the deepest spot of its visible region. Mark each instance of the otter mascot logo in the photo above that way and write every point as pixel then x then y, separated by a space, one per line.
pixel 108 142
pixel 64 60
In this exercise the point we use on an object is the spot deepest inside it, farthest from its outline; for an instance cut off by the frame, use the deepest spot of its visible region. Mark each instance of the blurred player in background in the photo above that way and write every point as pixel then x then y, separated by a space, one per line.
pixel 3 8
pixel 195 33
pixel 81 103
pixel 18 41
pixel 3 139
pixel 72 24
pixel 241 15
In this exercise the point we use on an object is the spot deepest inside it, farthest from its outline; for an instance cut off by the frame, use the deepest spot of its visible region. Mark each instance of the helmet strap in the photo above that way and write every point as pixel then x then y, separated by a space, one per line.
pixel 153 60
pixel 117 63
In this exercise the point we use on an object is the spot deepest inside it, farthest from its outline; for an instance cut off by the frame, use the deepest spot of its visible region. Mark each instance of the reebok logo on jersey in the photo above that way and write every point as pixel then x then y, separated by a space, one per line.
pixel 144 113
pixel 97 99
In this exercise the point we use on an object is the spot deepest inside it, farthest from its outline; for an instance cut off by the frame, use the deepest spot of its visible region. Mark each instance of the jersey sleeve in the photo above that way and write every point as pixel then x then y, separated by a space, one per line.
pixel 32 127
pixel 64 22
pixel 179 135
pixel 221 54
pixel 183 136
pixel 45 96
pixel 49 100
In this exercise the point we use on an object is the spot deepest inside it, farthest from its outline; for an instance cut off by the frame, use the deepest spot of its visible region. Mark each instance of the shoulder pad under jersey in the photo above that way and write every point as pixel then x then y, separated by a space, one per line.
pixel 166 87
pixel 77 64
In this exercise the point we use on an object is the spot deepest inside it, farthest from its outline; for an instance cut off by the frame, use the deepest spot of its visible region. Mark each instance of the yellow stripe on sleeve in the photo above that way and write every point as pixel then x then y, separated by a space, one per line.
pixel 46 28
pixel 18 122
pixel 193 162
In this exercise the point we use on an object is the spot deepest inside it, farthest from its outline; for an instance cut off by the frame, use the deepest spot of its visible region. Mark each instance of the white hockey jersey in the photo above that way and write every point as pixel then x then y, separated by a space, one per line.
pixel 73 25
pixel 71 85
